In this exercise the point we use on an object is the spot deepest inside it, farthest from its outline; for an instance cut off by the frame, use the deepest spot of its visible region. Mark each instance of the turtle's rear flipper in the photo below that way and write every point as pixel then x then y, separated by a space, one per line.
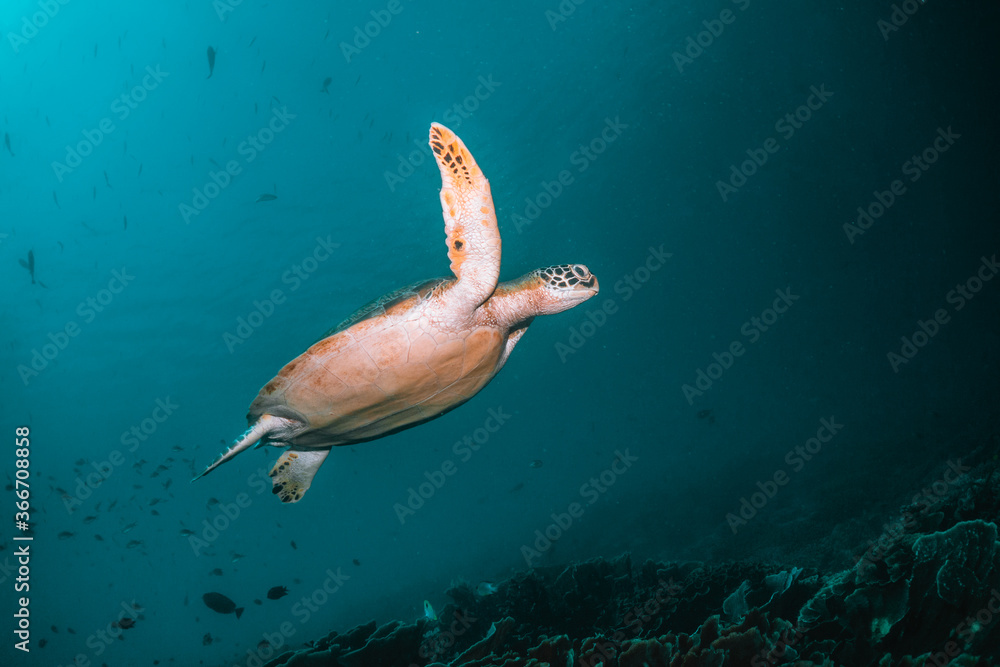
pixel 293 472
pixel 263 427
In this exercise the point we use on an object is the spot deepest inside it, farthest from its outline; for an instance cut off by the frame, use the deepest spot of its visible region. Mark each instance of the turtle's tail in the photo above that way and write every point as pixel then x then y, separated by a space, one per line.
pixel 266 424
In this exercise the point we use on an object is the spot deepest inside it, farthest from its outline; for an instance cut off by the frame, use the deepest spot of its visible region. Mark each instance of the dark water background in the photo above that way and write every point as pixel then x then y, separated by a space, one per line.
pixel 530 91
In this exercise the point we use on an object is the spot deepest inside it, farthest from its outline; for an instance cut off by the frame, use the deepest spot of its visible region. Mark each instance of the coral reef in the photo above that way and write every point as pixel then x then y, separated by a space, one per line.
pixel 929 594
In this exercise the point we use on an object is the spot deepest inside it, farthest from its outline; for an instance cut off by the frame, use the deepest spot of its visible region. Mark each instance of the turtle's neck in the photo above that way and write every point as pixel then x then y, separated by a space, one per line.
pixel 513 302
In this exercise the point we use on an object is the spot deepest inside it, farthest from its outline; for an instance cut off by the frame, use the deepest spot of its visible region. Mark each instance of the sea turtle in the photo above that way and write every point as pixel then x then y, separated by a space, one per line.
pixel 416 353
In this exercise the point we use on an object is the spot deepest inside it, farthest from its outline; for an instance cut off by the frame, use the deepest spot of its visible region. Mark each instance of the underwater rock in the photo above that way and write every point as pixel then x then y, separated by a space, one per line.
pixel 924 595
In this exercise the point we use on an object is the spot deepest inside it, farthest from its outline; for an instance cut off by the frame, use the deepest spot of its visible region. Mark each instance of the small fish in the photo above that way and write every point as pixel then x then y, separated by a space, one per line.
pixel 237 557
pixel 89 519
pixel 211 62
pixel 140 170
pixel 127 529
pixel 65 535
pixel 106 180
pixel 54 629
pixel 263 66
pixel 263 644
pixel 357 562
pixel 429 611
pixel 42 642
pixel 71 631
pixel 252 41
pixel 98 538
pixel 125 623
pixel 537 463
pixel 257 602
pixel 217 572
pixel 218 602
pixel 326 85
pixel 293 545
pixel 133 544
pixel 266 197
pixel 6 142
pixel 186 533
pixel 29 265
pixel 277 593
pixel 206 640
pixel 125 220
pixel 486 588
pixel 55 199
pixel 358 79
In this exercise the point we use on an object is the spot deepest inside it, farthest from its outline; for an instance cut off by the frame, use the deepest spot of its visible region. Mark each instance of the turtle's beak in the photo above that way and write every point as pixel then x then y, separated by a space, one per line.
pixel 588 280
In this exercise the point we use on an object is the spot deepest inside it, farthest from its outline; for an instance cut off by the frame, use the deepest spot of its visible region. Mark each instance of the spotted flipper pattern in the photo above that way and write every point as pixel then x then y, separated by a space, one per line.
pixel 470 221
pixel 293 473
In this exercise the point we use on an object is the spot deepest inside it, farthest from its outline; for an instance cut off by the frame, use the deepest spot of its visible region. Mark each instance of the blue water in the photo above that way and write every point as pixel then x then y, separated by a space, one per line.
pixel 166 294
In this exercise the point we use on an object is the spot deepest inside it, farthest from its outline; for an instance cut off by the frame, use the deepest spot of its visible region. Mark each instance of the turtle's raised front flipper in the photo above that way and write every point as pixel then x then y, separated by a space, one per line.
pixel 293 473
pixel 264 426
pixel 470 221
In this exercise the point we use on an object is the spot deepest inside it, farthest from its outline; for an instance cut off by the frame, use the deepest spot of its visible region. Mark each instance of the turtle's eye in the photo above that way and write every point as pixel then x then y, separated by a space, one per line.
pixel 580 270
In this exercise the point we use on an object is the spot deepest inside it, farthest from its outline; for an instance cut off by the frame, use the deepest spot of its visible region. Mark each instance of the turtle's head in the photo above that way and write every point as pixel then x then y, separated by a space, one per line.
pixel 564 286
pixel 546 291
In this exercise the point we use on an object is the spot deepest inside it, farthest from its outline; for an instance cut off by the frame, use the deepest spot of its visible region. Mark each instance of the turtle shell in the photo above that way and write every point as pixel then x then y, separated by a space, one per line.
pixel 393 364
